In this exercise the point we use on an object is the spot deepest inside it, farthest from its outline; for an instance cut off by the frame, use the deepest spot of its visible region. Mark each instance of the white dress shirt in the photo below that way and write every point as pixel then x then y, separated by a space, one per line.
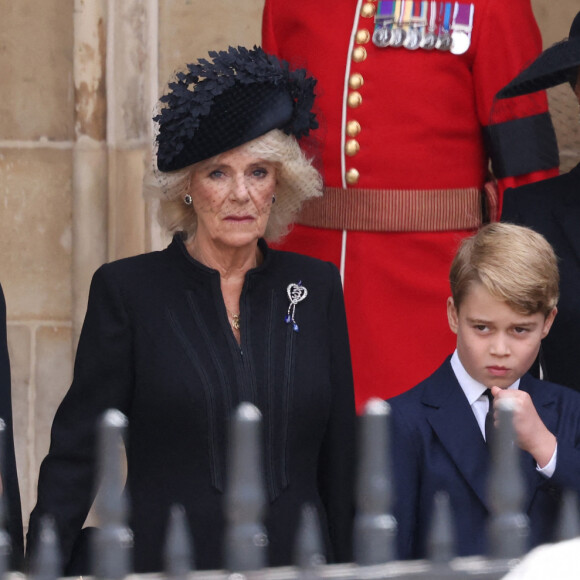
pixel 479 403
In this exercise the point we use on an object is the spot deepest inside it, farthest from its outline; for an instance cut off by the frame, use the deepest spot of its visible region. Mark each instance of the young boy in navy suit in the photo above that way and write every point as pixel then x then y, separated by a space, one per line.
pixel 504 291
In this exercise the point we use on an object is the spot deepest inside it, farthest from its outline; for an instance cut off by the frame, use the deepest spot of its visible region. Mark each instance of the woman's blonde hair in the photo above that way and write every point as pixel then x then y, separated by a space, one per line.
pixel 297 180
pixel 515 265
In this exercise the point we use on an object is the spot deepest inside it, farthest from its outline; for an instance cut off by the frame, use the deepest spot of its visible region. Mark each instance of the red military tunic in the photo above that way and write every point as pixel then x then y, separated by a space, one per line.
pixel 406 143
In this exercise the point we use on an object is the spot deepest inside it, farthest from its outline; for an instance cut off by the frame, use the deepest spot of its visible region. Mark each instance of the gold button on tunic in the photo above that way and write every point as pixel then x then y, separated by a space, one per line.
pixel 352 147
pixel 363 36
pixel 359 54
pixel 354 100
pixel 353 128
pixel 355 81
pixel 352 176
pixel 368 10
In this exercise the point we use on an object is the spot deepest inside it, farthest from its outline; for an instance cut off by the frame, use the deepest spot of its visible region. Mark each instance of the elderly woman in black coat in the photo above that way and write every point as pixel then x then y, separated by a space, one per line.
pixel 177 339
pixel 552 207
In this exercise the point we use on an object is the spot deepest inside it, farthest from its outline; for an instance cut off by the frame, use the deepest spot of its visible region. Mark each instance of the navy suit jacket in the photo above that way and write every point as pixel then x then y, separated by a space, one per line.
pixel 437 445
pixel 552 208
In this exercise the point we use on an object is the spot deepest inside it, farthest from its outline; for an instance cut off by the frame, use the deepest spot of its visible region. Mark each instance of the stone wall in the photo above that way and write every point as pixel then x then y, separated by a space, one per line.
pixel 36 139
pixel 79 79
pixel 555 19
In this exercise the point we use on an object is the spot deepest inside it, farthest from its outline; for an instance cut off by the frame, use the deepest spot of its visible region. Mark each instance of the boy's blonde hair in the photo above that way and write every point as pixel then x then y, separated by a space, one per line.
pixel 515 265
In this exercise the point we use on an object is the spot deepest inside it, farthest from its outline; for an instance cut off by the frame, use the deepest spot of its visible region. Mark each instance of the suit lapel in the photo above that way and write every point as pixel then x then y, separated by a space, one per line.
pixel 452 419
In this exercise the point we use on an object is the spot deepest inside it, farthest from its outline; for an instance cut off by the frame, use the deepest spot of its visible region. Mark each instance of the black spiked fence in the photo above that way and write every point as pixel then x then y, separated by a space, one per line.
pixel 245 542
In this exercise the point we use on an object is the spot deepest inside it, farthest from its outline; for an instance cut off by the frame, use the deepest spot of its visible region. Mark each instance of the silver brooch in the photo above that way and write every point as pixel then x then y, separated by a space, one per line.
pixel 296 293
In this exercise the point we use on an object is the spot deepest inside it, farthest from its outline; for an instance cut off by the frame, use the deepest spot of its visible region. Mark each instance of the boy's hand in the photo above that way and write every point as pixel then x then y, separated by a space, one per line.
pixel 532 435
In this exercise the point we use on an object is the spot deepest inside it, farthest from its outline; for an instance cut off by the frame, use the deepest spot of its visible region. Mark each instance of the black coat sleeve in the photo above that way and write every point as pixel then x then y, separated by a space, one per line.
pixel 103 379
pixel 336 465
pixel 9 474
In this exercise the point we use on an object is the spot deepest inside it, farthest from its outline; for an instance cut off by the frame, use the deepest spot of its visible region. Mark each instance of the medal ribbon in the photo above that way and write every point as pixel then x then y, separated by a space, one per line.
pixel 444 17
pixel 399 12
pixel 406 12
pixel 385 13
pixel 417 11
pixel 432 20
pixel 420 14
pixel 463 17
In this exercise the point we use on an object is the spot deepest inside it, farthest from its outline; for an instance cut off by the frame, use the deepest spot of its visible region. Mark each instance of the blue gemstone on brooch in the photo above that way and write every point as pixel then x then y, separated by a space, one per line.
pixel 296 329
pixel 288 319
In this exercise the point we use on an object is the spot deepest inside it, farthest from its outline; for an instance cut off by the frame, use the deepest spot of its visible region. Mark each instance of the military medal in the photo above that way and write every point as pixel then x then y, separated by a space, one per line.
pixel 412 39
pixel 428 41
pixel 397 37
pixel 461 28
pixel 398 33
pixel 384 19
pixel 382 36
pixel 443 41
pixel 418 20
pixel 429 37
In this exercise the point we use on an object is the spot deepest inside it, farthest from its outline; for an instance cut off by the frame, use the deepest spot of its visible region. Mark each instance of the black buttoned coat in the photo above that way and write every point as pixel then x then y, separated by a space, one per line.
pixel 552 208
pixel 157 344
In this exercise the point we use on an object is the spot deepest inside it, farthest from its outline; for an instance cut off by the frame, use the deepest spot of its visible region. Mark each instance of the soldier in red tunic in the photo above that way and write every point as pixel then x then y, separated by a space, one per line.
pixel 406 90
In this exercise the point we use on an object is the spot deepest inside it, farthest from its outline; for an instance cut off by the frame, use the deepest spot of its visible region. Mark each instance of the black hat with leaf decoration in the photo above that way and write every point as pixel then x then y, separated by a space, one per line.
pixel 556 65
pixel 222 103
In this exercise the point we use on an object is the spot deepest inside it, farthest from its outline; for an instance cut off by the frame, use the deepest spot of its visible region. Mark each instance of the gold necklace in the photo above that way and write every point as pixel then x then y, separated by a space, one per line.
pixel 235 322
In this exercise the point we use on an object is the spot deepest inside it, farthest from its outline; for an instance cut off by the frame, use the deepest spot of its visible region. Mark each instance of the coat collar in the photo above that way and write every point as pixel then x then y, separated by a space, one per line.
pixel 178 251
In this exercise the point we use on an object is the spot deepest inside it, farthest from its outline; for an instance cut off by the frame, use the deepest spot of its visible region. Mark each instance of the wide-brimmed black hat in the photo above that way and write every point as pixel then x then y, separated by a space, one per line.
pixel 237 96
pixel 554 66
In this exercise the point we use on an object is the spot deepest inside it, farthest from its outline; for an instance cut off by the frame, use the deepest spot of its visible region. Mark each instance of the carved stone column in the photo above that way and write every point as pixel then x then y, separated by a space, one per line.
pixel 131 92
pixel 89 220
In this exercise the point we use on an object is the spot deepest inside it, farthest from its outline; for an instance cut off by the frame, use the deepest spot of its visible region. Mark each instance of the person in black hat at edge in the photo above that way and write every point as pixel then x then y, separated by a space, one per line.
pixel 12 522
pixel 177 339
pixel 552 207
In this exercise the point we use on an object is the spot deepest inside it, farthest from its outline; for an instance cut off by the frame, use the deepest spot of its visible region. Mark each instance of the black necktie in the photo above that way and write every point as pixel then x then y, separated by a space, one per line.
pixel 489 418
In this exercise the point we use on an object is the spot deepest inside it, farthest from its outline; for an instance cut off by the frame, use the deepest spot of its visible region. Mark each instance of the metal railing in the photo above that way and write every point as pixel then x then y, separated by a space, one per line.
pixel 245 541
